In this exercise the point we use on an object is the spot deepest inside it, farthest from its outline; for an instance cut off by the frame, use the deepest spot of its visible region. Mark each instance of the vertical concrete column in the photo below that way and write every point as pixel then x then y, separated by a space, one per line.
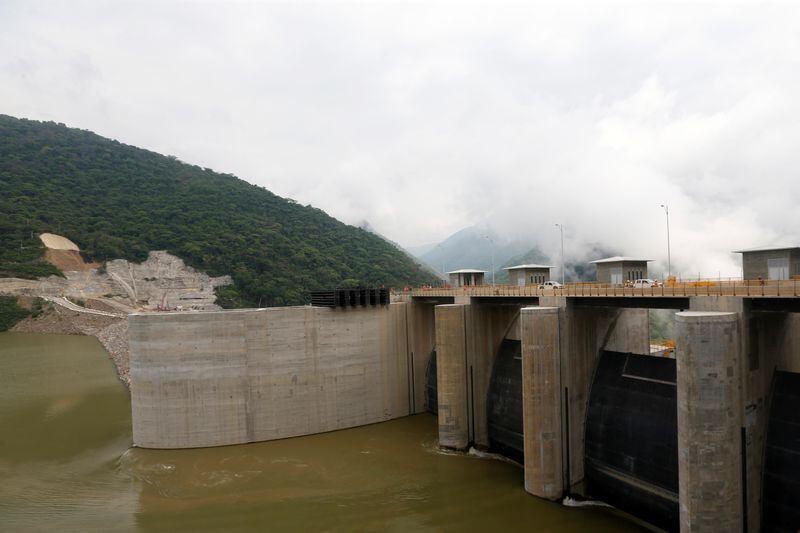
pixel 709 421
pixel 541 401
pixel 451 376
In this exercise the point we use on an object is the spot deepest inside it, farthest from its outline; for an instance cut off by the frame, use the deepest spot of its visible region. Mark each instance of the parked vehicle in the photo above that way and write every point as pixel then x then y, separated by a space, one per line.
pixel 644 283
pixel 551 285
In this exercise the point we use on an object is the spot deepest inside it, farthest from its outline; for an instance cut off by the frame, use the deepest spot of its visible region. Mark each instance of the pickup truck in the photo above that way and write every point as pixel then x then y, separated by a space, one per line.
pixel 551 285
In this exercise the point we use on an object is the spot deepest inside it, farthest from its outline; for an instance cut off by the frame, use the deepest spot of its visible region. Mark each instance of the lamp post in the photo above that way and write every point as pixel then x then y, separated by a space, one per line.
pixel 669 258
pixel 561 229
pixel 439 246
pixel 491 243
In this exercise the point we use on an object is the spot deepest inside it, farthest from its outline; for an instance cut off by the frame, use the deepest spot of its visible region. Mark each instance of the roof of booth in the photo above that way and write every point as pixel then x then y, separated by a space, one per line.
pixel 773 248
pixel 520 267
pixel 620 259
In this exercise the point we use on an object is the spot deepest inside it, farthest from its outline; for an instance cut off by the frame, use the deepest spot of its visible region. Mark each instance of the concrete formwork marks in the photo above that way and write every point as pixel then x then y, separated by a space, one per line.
pixel 709 421
pixel 207 379
pixel 541 401
pixel 451 376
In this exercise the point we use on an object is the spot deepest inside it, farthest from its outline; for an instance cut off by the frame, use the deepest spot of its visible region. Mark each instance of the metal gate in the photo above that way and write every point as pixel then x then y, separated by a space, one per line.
pixel 431 398
pixel 781 487
pixel 631 458
pixel 504 402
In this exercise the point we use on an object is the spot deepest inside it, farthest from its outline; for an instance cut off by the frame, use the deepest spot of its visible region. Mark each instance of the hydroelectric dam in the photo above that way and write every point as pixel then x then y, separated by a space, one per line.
pixel 561 380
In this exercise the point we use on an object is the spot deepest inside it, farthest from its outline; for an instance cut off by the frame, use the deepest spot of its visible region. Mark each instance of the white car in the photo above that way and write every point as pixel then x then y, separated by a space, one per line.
pixel 550 285
pixel 644 283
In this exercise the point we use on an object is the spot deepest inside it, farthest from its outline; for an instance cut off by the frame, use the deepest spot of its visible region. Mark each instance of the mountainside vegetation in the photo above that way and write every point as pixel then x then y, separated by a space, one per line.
pixel 10 312
pixel 119 201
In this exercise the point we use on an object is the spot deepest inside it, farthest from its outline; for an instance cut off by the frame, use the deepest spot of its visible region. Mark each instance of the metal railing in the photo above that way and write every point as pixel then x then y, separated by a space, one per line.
pixel 679 289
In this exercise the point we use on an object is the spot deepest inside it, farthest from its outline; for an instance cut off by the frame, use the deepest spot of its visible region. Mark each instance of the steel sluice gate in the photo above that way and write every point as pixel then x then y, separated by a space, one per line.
pixel 631 453
pixel 504 402
pixel 431 392
pixel 780 506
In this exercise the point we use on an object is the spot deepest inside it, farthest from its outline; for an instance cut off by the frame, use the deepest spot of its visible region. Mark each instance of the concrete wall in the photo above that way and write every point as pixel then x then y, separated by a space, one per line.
pixel 230 377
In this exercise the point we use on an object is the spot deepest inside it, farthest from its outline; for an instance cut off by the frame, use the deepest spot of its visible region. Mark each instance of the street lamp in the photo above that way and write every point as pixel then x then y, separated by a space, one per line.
pixel 669 258
pixel 491 242
pixel 561 229
pixel 440 247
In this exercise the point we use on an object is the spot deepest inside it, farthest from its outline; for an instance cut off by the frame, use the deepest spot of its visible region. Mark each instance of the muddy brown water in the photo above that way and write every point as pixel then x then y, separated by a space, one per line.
pixel 66 464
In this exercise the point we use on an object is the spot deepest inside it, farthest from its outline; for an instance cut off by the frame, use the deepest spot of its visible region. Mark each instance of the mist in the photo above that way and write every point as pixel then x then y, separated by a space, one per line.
pixel 424 119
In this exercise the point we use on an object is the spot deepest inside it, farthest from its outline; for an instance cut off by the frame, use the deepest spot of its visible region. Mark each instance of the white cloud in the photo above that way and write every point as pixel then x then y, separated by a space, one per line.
pixel 423 119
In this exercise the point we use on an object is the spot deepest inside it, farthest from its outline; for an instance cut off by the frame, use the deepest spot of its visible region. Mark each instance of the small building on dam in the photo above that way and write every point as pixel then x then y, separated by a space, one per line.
pixel 466 277
pixel 530 274
pixel 619 269
pixel 771 263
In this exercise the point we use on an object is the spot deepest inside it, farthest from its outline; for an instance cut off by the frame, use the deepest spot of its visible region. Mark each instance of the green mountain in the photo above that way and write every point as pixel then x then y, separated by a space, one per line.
pixel 118 201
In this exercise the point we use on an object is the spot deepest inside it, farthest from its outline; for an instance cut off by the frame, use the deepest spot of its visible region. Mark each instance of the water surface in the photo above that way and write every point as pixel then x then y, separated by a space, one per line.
pixel 66 464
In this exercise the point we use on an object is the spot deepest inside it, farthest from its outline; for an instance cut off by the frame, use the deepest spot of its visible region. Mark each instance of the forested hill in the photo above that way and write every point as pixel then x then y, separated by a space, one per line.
pixel 118 201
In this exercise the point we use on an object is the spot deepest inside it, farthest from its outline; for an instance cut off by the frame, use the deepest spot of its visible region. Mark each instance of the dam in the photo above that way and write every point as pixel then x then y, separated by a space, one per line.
pixel 561 381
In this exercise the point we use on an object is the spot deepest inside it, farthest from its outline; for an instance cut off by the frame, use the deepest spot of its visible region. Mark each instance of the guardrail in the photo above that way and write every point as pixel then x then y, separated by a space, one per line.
pixel 744 288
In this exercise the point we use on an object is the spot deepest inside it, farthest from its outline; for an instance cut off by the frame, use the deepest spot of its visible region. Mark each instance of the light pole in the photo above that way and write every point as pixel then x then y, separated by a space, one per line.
pixel 561 229
pixel 439 246
pixel 491 243
pixel 669 258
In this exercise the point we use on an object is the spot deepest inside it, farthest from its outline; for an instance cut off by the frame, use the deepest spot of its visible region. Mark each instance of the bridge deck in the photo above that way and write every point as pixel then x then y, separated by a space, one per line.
pixel 748 289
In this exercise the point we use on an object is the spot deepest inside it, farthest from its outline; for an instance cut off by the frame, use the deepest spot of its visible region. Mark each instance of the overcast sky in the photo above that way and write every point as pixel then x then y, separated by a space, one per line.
pixel 423 119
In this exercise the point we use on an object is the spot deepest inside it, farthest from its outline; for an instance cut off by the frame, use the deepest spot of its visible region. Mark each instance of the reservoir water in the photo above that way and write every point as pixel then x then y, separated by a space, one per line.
pixel 66 464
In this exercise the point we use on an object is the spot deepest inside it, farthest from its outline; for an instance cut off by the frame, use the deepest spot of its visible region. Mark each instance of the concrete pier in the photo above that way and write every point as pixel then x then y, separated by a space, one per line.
pixel 451 376
pixel 421 341
pixel 541 401
pixel 709 421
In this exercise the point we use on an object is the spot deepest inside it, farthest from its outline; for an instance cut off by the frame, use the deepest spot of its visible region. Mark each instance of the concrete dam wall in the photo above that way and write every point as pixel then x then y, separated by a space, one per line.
pixel 231 377
pixel 704 441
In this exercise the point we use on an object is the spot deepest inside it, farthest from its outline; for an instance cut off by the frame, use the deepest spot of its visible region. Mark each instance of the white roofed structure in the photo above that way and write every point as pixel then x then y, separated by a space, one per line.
pixel 528 274
pixel 466 277
pixel 775 262
pixel 620 269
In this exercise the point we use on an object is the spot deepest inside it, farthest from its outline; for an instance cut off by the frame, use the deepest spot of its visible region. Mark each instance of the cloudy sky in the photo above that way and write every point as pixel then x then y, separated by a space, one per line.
pixel 426 118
